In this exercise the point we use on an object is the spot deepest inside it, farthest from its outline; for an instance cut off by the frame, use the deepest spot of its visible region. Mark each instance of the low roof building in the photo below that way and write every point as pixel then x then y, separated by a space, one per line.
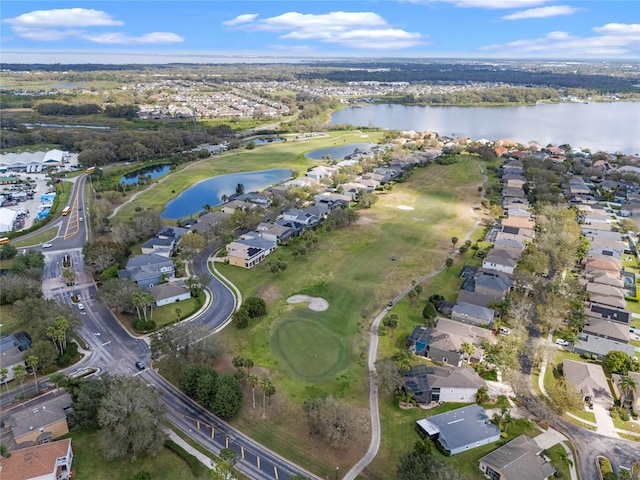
pixel 589 380
pixel 519 459
pixel 461 429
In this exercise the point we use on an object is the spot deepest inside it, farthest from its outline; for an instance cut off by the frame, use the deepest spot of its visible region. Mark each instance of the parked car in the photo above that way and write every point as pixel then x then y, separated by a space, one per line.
pixel 562 343
pixel 504 331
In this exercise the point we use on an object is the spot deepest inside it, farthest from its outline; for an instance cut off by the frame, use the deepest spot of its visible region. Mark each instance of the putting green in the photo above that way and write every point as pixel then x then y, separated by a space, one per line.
pixel 309 349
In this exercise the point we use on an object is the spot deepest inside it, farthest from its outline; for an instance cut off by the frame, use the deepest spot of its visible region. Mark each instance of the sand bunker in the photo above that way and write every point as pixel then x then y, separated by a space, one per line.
pixel 316 304
pixel 404 207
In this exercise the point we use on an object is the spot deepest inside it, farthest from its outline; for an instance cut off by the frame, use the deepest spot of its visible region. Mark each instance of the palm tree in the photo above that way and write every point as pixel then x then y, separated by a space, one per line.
pixel 564 457
pixel 136 300
pixel 60 330
pixel 19 372
pixel 268 390
pixel 627 385
pixel 57 378
pixel 468 349
pixel 32 363
pixel 253 383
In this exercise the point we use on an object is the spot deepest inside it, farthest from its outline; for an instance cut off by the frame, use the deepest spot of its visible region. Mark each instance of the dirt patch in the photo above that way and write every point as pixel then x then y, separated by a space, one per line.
pixel 316 304
pixel 363 220
pixel 404 207
pixel 269 293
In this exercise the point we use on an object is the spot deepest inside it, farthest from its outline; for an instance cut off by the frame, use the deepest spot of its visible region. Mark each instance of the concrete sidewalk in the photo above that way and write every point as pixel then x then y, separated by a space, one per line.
pixel 205 460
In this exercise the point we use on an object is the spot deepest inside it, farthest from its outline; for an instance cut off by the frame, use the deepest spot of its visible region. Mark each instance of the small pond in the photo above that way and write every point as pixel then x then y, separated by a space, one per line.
pixel 338 153
pixel 210 191
pixel 151 172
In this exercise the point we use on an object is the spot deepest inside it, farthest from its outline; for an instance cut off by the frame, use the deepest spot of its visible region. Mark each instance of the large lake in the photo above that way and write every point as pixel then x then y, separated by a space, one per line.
pixel 598 126
pixel 210 191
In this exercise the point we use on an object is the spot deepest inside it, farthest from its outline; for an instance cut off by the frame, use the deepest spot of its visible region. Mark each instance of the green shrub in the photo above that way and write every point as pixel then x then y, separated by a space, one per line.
pixel 624 415
pixel 194 464
pixel 605 465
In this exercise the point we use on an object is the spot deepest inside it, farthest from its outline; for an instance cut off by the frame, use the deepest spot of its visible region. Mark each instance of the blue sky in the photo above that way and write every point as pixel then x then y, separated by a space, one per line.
pixel 158 31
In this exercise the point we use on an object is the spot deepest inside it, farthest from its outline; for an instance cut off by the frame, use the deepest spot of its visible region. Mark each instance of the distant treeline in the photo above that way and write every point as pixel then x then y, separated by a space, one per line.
pixel 490 95
pixel 57 108
pixel 453 73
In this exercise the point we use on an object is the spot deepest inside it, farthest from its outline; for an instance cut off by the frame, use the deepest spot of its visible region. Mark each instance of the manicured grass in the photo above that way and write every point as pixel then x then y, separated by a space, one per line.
pixel 554 453
pixel 42 237
pixel 352 269
pixel 166 314
pixel 579 423
pixel 632 426
pixel 585 414
pixel 281 155
pixel 89 465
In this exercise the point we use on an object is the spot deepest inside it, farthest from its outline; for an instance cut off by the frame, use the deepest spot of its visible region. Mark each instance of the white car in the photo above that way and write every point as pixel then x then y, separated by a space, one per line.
pixel 80 306
pixel 504 331
pixel 47 245
pixel 562 343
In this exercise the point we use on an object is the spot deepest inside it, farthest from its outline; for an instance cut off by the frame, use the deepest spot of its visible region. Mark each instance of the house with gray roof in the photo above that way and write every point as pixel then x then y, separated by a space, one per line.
pixel 171 292
pixel 599 346
pixel 160 246
pixel 442 384
pixel 148 270
pixel 484 288
pixel 501 260
pixel 277 233
pixel 460 430
pixel 443 343
pixel 249 250
pixel 589 380
pixel 606 329
pixel 520 459
pixel 474 314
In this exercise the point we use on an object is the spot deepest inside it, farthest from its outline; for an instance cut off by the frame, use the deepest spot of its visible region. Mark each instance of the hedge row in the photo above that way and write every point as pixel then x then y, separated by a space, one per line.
pixel 197 468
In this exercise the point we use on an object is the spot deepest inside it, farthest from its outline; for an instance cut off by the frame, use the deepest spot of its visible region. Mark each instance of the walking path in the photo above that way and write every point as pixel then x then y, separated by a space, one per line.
pixel 373 353
pixel 205 460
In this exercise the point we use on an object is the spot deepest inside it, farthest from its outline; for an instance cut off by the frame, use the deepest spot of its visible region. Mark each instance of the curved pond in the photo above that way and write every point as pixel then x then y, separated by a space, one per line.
pixel 210 191
pixel 152 172
pixel 337 153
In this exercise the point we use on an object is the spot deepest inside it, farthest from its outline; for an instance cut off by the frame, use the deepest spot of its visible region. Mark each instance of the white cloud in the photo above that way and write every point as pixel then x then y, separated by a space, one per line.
pixel 117 38
pixel 361 30
pixel 615 40
pixel 619 29
pixel 542 12
pixel 72 23
pixel 240 19
pixel 489 4
pixel 64 17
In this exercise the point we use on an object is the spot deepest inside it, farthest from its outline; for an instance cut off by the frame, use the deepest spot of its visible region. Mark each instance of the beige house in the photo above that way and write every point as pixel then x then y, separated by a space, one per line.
pixel 520 459
pixel 51 461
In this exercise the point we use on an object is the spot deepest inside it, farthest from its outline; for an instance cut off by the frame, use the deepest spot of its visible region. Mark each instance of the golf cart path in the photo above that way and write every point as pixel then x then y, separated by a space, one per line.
pixel 373 353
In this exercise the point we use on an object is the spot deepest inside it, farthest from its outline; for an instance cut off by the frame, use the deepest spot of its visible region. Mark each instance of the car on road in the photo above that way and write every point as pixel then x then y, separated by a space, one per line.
pixel 562 342
pixel 81 219
pixel 80 306
pixel 390 304
pixel 47 245
pixel 504 331
pixel 140 366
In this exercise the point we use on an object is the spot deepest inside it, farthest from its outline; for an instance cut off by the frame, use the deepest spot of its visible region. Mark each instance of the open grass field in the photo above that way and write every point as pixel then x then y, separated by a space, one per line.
pixel 8 323
pixel 270 156
pixel 309 354
pixel 89 465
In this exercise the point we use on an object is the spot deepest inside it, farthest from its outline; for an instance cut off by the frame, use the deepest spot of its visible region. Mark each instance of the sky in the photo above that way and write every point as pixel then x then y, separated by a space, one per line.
pixel 159 31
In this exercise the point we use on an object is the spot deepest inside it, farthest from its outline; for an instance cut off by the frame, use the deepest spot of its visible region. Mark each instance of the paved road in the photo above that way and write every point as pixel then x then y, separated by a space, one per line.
pixel 116 351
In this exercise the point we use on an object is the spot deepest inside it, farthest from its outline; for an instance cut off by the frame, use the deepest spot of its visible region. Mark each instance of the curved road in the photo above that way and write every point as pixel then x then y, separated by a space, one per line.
pixel 373 353
pixel 113 349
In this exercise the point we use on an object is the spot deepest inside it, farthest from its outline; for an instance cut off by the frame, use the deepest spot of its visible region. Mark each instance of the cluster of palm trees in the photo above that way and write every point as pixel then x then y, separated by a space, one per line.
pixel 20 372
pixel 58 334
pixel 143 300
